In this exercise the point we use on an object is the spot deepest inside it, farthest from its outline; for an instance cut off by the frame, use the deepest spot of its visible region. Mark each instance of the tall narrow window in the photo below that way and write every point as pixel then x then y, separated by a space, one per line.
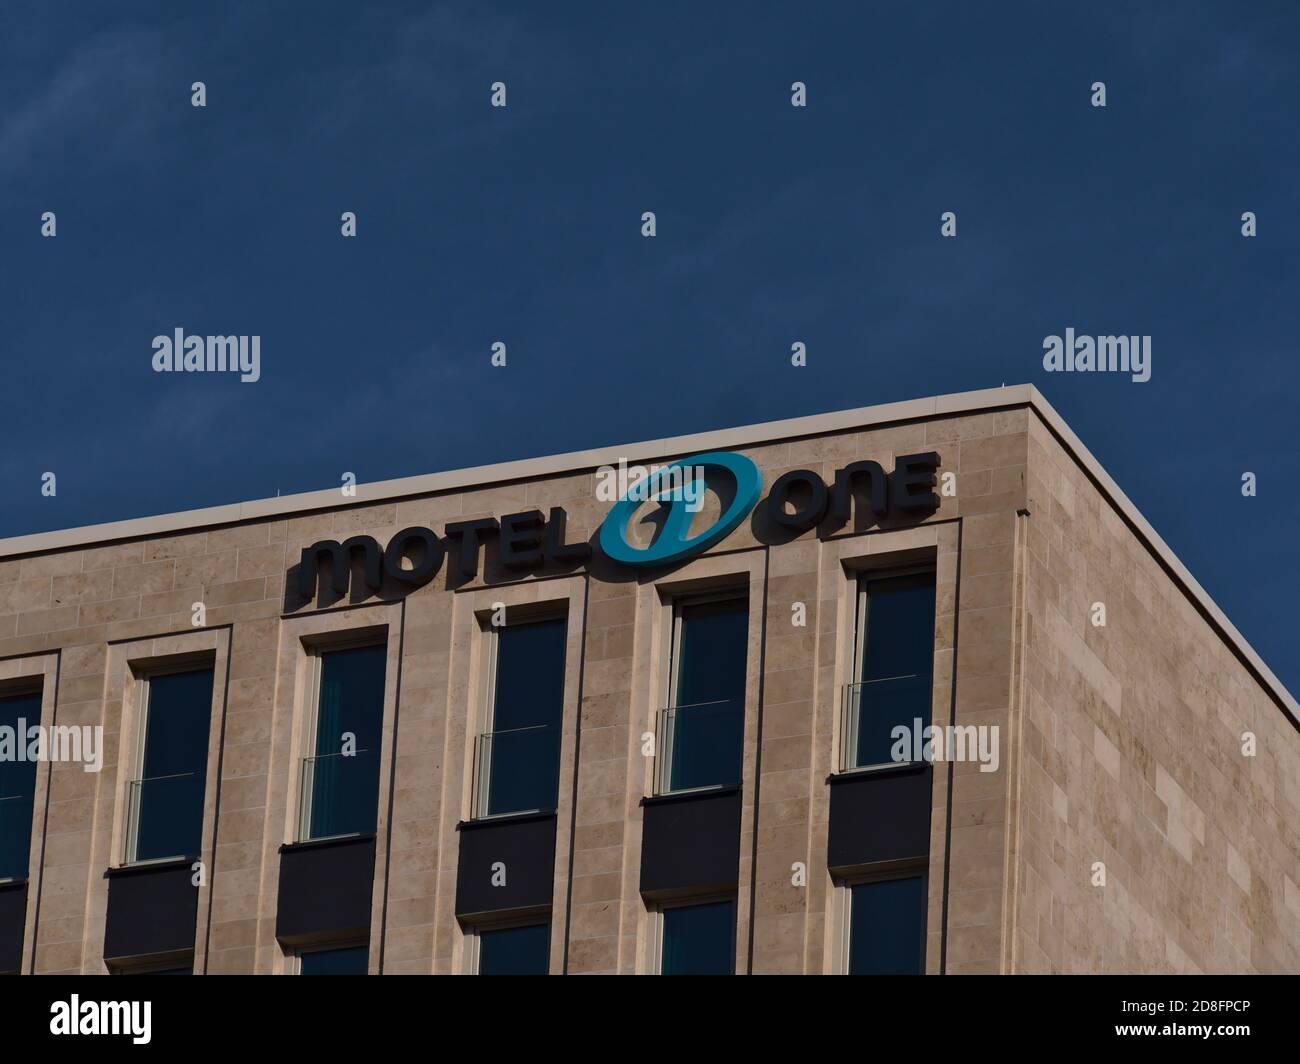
pixel 702 731
pixel 340 781
pixel 698 939
pixel 165 807
pixel 519 754
pixel 524 950
pixel 348 960
pixel 886 927
pixel 18 713
pixel 894 668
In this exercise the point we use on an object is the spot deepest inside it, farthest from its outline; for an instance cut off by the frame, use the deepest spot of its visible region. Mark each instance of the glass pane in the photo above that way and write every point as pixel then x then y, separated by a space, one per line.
pixel 168 799
pixel 344 786
pixel 18 714
pixel 349 961
pixel 342 793
pixel 699 940
pixel 897 663
pixel 709 717
pixel 887 927
pixel 523 749
pixel 515 951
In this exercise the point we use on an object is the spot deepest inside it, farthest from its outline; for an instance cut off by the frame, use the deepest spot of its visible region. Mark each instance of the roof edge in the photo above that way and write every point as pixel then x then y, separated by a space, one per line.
pixel 739 436
pixel 519 469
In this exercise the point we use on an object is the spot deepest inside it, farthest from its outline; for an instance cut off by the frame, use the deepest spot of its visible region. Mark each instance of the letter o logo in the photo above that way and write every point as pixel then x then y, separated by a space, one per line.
pixel 672 541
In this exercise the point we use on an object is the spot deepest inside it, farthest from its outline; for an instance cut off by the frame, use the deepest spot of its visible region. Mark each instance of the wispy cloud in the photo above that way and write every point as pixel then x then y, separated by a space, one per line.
pixel 100 106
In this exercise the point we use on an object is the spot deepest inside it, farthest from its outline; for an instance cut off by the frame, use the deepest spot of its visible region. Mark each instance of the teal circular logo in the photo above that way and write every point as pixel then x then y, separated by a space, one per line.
pixel 672 542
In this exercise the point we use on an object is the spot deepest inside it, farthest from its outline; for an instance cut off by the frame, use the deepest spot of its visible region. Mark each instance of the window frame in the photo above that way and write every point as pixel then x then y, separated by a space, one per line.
pixel 843 907
pixel 26 687
pixel 663 770
pixel 491 645
pixel 139 744
pixel 656 924
pixel 316 652
pixel 850 723
pixel 296 954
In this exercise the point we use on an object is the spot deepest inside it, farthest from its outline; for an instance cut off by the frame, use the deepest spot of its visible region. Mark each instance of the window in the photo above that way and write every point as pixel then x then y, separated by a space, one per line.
pixel 893 666
pixel 698 939
pixel 523 950
pixel 18 713
pixel 519 755
pixel 702 731
pixel 340 781
pixel 885 926
pixel 165 800
pixel 348 960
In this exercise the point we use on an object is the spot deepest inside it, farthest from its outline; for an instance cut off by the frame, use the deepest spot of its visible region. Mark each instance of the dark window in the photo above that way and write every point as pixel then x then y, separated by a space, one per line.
pixel 699 939
pixel 895 666
pixel 166 802
pixel 351 960
pixel 887 927
pixel 341 782
pixel 18 713
pixel 515 950
pixel 519 759
pixel 705 725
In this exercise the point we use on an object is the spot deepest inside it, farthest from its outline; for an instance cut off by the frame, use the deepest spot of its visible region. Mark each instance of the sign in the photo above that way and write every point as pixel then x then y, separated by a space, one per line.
pixel 798 502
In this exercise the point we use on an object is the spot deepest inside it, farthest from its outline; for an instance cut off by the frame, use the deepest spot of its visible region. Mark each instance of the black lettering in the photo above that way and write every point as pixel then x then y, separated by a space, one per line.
pixel 913 471
pixel 521 539
pixel 429 563
pixel 556 549
pixel 788 484
pixel 467 532
pixel 845 483
pixel 340 561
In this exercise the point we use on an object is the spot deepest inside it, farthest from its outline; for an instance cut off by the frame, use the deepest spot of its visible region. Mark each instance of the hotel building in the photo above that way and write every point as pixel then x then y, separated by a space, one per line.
pixel 914 688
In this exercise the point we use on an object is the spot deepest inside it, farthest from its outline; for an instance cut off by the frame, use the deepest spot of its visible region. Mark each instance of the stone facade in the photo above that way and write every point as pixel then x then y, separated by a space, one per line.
pixel 1121 743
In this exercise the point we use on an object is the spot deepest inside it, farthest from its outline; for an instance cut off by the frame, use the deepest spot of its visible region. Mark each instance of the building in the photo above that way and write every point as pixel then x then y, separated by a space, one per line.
pixel 481 721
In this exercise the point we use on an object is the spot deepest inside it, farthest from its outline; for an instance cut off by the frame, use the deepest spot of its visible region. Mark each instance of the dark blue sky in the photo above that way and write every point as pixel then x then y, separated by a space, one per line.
pixel 775 224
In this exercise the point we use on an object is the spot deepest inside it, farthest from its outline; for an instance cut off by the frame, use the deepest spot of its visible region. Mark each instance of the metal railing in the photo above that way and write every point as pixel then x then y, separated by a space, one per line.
pixel 164 816
pixel 700 744
pixel 338 795
pixel 516 770
pixel 871 710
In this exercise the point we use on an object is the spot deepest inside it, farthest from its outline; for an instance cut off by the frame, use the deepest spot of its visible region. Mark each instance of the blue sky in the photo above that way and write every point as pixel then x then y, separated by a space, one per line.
pixel 522 224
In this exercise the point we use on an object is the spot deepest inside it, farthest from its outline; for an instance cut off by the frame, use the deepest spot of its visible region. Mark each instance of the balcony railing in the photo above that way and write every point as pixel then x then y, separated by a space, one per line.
pixel 339 795
pixel 164 817
pixel 871 711
pixel 700 745
pixel 516 770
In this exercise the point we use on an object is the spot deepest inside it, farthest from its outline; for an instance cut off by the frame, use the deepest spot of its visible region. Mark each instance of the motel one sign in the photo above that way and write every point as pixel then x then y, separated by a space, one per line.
pixel 798 502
